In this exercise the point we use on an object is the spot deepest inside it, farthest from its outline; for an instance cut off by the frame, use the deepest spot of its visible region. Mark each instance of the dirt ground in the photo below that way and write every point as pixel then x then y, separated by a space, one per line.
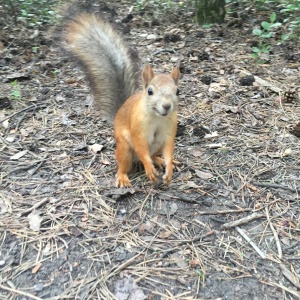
pixel 227 227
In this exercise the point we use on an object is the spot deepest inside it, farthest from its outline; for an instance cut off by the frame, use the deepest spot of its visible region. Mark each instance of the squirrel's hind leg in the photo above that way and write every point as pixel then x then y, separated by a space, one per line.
pixel 124 156
pixel 159 161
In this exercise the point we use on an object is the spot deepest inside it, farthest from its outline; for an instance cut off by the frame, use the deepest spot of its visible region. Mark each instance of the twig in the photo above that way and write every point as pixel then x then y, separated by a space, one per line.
pixel 38 166
pixel 164 50
pixel 223 212
pixel 263 82
pixel 20 111
pixel 196 239
pixel 123 266
pixel 275 234
pixel 276 186
pixel 142 206
pixel 295 293
pixel 37 205
pixel 19 292
pixel 247 238
pixel 242 220
pixel 290 276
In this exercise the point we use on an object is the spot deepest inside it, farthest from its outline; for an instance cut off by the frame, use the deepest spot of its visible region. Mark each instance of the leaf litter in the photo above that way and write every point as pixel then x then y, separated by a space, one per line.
pixel 228 225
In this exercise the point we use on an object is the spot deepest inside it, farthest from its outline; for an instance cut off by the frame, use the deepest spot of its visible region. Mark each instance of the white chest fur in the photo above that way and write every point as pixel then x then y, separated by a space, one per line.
pixel 159 128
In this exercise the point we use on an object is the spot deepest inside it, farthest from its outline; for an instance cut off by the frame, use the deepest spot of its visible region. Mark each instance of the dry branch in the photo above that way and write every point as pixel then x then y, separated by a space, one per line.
pixel 247 238
pixel 242 220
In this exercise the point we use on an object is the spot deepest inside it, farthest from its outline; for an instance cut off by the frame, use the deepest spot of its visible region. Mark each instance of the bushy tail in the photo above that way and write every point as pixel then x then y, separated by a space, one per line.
pixel 109 64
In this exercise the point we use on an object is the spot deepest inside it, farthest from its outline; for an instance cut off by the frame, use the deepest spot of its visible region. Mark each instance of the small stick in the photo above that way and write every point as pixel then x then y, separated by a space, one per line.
pixel 38 166
pixel 19 292
pixel 196 239
pixel 276 186
pixel 290 276
pixel 275 234
pixel 223 212
pixel 20 111
pixel 35 206
pixel 164 50
pixel 295 293
pixel 242 220
pixel 247 238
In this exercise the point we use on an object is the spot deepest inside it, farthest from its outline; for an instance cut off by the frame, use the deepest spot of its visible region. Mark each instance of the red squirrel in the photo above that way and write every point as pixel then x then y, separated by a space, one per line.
pixel 145 122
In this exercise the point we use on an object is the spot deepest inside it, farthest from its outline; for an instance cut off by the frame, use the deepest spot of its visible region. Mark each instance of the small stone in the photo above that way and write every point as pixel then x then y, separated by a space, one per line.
pixel 151 37
pixel 38 287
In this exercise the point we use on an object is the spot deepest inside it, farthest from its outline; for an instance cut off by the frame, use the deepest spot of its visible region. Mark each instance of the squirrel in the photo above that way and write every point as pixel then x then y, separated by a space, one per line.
pixel 145 122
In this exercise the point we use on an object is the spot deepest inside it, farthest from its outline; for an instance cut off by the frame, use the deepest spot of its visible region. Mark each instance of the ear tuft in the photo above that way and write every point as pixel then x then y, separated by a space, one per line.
pixel 147 74
pixel 176 73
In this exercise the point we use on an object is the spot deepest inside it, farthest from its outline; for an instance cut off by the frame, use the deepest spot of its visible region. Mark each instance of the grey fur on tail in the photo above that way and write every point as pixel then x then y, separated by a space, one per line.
pixel 108 62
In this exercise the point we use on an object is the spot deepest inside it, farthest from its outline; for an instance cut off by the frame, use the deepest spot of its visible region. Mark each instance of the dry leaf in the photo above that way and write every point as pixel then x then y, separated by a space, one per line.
pixel 197 153
pixel 5 123
pixel 96 148
pixel 35 221
pixel 287 152
pixel 215 146
pixel 211 135
pixel 36 268
pixel 179 261
pixel 145 227
pixel 165 234
pixel 127 289
pixel 3 206
pixel 10 138
pixel 18 155
pixel 194 263
pixel 204 175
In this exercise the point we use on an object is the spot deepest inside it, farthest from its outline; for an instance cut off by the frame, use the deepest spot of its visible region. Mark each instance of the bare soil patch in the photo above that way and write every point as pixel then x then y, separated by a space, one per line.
pixel 227 227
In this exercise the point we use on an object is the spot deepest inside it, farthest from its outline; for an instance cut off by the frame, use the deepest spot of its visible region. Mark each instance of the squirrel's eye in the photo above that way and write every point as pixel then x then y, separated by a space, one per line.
pixel 177 92
pixel 150 91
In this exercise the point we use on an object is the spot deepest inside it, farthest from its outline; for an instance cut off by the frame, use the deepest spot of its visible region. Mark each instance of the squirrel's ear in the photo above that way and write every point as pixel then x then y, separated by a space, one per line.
pixel 176 73
pixel 148 74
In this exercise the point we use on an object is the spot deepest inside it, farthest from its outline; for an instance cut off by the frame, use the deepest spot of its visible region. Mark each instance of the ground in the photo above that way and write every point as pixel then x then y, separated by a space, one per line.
pixel 227 227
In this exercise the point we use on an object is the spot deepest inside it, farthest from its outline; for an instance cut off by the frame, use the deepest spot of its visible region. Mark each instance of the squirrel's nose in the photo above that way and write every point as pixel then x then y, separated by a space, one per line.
pixel 166 106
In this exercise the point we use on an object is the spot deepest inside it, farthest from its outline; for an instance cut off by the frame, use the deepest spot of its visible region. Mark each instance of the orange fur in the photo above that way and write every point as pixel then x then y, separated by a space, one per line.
pixel 145 124
pixel 145 127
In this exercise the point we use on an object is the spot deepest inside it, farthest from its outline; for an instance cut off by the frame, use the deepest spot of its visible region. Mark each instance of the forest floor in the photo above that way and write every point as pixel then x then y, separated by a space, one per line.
pixel 227 227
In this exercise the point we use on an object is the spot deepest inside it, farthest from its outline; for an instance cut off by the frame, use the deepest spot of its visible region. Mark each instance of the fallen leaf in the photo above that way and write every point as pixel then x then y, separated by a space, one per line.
pixel 3 207
pixel 216 108
pixel 127 289
pixel 18 155
pixel 197 153
pixel 286 152
pixel 36 268
pixel 175 223
pixel 285 240
pixel 188 185
pixel 165 234
pixel 194 263
pixel 145 227
pixel 178 260
pixel 24 132
pixel 204 175
pixel 173 209
pixel 5 123
pixel 96 148
pixel 211 135
pixel 35 221
pixel 251 187
pixel 215 146
pixel 10 138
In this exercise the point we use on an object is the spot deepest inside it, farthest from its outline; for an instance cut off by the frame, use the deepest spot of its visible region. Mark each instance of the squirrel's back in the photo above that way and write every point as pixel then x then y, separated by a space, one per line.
pixel 109 63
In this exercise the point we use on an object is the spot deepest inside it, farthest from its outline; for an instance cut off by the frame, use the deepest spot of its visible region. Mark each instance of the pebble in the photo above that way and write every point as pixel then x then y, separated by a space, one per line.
pixel 39 287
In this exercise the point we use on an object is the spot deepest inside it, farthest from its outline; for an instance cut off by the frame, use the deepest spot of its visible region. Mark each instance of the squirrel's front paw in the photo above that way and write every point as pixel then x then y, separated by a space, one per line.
pixel 167 178
pixel 123 181
pixel 152 174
